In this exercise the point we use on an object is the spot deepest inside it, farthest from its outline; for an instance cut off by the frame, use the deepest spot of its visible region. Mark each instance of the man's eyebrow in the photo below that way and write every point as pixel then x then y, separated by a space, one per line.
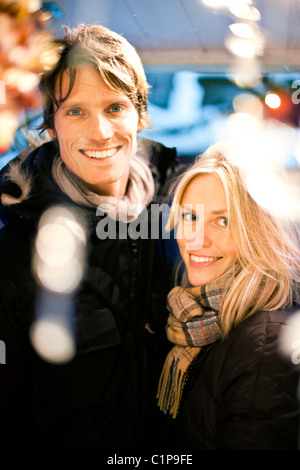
pixel 118 98
pixel 69 104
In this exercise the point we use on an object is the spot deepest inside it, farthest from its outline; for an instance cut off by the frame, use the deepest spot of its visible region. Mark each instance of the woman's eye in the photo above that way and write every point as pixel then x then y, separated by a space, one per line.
pixel 75 112
pixel 189 217
pixel 223 221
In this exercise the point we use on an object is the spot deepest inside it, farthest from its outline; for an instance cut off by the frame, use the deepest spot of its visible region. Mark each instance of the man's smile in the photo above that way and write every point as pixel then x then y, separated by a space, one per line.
pixel 100 154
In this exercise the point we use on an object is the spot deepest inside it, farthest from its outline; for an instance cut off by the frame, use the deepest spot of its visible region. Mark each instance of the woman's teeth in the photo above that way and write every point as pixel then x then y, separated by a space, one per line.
pixel 202 259
pixel 100 154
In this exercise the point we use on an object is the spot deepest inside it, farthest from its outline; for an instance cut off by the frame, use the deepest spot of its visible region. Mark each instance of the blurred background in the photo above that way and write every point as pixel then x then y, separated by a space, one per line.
pixel 217 69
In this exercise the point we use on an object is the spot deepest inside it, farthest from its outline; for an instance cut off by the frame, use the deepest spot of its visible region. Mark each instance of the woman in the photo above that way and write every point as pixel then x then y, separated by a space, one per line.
pixel 225 379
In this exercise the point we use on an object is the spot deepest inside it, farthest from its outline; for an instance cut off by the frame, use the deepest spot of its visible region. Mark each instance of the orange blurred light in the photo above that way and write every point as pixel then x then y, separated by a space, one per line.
pixel 272 100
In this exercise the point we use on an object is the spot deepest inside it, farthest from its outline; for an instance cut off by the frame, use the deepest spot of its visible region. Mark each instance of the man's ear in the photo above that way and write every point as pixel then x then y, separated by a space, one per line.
pixel 52 133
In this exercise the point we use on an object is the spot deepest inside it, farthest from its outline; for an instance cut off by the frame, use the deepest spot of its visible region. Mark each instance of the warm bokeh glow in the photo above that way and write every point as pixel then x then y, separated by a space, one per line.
pixel 52 341
pixel 60 250
pixel 272 100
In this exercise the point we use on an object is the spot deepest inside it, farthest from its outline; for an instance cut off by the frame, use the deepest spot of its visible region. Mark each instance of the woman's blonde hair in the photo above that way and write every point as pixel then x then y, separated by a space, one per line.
pixel 268 277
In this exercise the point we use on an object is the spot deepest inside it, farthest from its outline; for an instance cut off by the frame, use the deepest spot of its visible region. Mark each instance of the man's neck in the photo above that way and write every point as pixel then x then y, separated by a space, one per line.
pixel 114 189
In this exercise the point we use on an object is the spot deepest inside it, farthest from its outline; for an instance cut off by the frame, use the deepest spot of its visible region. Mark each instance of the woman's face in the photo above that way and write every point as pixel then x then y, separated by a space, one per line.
pixel 203 235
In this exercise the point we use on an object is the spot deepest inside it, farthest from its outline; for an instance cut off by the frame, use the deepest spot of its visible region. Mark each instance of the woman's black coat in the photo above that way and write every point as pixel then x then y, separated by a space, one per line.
pixel 243 392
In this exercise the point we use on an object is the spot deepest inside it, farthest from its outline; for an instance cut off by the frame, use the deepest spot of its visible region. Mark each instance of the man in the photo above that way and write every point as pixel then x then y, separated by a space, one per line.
pixel 95 102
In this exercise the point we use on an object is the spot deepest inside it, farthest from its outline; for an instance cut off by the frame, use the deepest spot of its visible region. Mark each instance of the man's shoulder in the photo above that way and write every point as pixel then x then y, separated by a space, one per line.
pixel 163 163
pixel 155 152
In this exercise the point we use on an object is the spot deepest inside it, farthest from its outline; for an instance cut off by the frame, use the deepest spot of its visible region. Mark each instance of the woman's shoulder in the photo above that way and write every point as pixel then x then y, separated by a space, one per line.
pixel 265 322
pixel 260 337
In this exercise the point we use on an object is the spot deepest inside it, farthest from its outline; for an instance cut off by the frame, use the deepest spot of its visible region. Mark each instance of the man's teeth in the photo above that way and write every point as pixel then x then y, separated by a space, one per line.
pixel 100 154
pixel 202 259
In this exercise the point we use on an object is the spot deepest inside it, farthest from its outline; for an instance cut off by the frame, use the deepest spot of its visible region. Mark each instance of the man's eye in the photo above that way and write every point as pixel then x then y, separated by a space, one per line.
pixel 223 221
pixel 115 108
pixel 75 112
pixel 189 217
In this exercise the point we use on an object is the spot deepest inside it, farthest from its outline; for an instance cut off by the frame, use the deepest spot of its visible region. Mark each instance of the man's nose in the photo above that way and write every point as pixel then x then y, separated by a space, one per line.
pixel 101 127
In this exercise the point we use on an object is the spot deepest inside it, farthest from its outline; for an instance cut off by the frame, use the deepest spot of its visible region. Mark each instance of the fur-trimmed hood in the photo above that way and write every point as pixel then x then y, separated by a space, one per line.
pixel 26 184
pixel 17 181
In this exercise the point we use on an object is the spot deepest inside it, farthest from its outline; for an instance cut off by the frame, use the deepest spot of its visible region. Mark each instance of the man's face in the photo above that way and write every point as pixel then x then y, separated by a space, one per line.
pixel 96 129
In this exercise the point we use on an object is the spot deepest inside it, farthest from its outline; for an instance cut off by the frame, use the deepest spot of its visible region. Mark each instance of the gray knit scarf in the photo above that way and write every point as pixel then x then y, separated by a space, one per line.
pixel 192 324
pixel 139 194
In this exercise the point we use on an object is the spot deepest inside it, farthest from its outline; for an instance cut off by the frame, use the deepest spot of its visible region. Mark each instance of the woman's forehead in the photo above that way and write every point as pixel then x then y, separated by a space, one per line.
pixel 205 189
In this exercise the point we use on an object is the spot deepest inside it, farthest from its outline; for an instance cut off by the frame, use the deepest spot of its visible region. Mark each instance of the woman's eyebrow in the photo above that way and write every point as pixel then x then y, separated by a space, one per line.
pixel 219 211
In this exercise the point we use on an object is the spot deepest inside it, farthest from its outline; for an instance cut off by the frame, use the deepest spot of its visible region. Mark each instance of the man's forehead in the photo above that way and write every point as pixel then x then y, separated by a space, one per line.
pixel 87 78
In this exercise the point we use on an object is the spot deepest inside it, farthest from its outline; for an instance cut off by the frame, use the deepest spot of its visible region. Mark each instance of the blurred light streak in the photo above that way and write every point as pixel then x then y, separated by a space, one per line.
pixel 248 103
pixel 245 73
pixel 256 146
pixel 8 125
pixel 242 30
pixel 60 249
pixel 289 339
pixel 215 3
pixel 218 4
pixel 58 266
pixel 241 47
pixel 245 11
pixel 23 81
pixel 32 5
pixel 52 334
pixel 245 40
pixel 26 51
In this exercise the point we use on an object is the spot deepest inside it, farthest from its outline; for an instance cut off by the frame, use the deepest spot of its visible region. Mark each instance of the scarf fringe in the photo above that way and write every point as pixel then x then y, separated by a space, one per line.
pixel 171 383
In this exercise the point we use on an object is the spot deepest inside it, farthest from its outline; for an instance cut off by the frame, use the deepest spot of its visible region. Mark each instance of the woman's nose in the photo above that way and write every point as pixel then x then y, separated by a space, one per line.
pixel 206 237
pixel 199 238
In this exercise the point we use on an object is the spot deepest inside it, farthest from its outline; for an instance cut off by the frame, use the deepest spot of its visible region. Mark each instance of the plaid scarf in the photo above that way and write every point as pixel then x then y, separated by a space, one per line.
pixel 192 324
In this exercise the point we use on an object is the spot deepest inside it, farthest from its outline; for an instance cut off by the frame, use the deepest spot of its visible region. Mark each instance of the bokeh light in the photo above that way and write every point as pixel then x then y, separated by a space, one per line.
pixel 60 250
pixel 58 266
pixel 272 100
pixel 52 340
pixel 290 339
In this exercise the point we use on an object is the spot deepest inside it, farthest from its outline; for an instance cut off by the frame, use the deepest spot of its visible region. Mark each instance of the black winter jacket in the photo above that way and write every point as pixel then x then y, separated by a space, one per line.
pixel 242 393
pixel 104 398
